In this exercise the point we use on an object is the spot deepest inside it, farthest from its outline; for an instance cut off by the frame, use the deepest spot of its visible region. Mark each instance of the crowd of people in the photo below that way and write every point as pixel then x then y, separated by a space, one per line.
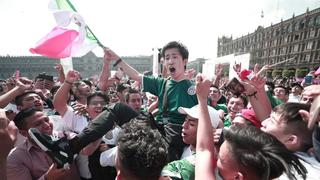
pixel 175 126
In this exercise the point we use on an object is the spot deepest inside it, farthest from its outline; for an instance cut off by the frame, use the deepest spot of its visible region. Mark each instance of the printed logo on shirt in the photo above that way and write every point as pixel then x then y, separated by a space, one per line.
pixel 192 90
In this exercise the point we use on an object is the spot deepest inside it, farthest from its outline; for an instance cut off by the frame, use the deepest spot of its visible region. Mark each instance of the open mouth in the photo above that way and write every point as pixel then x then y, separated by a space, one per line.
pixel 37 104
pixel 183 134
pixel 172 69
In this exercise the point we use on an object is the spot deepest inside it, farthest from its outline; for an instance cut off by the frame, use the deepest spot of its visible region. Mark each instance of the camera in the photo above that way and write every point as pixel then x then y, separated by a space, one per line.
pixel 44 76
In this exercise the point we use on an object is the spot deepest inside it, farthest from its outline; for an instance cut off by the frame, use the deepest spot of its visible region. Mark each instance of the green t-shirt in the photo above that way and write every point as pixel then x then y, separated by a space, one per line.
pixel 274 101
pixel 219 106
pixel 179 94
pixel 183 169
pixel 227 121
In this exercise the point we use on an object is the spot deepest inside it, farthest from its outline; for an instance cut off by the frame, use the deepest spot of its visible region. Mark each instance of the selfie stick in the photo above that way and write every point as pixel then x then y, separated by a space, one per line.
pixel 281 62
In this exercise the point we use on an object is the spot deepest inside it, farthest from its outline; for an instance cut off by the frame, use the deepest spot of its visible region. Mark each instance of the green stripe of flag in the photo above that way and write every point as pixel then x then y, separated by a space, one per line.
pixel 67 5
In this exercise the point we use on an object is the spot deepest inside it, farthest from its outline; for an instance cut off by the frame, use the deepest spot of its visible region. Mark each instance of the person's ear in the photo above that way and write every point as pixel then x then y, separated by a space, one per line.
pixel 238 176
pixel 185 61
pixel 293 139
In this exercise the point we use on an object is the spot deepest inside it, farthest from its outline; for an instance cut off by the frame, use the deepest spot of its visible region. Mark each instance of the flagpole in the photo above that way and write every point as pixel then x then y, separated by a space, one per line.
pixel 287 60
pixel 99 43
pixel 73 8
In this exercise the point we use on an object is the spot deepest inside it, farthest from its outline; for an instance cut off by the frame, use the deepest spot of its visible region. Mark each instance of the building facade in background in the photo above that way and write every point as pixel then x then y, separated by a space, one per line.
pixel 297 37
pixel 89 65
pixel 197 65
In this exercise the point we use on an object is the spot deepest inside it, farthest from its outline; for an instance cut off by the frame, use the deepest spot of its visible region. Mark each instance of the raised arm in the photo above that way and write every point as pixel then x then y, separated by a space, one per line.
pixel 20 88
pixel 105 73
pixel 258 97
pixel 6 144
pixel 60 100
pixel 130 71
pixel 216 81
pixel 61 75
pixel 205 148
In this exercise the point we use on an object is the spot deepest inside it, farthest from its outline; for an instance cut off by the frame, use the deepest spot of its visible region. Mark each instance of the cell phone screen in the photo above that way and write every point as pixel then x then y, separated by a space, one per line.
pixel 308 79
pixel 235 87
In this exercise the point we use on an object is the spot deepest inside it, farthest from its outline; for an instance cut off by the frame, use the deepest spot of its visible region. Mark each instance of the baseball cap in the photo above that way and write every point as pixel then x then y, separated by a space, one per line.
pixel 249 115
pixel 194 113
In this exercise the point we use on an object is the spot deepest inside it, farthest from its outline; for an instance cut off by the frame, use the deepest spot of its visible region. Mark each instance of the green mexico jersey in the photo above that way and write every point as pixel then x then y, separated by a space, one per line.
pixel 179 94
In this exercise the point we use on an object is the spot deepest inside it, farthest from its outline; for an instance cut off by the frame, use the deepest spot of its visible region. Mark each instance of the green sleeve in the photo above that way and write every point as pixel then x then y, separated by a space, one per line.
pixel 274 101
pixel 153 85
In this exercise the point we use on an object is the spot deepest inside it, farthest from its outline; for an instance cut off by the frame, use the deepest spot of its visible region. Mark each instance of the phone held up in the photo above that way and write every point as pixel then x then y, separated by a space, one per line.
pixel 235 87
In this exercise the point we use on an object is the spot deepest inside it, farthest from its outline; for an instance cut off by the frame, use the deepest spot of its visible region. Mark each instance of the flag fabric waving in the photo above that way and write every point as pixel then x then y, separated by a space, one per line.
pixel 56 44
pixel 71 38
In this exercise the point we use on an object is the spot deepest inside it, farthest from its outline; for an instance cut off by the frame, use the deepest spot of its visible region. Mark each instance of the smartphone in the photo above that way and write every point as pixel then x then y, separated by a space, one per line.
pixel 45 77
pixel 235 87
pixel 308 80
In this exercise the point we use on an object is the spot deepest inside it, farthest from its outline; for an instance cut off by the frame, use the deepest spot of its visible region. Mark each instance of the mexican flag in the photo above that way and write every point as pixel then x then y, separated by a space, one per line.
pixel 70 38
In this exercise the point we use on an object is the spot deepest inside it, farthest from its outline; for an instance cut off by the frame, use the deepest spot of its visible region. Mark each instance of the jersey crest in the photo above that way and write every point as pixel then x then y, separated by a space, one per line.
pixel 192 90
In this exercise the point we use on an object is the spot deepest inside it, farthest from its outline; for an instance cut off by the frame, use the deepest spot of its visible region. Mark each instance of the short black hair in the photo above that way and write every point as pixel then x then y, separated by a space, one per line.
pixel 97 93
pixel 243 98
pixel 88 82
pixel 295 124
pixel 142 151
pixel 121 87
pixel 294 84
pixel 261 155
pixel 283 87
pixel 19 119
pixel 19 98
pixel 175 44
pixel 131 91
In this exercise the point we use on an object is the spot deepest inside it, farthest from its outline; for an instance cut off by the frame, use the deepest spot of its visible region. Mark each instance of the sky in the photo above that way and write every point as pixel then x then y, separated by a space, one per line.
pixel 135 27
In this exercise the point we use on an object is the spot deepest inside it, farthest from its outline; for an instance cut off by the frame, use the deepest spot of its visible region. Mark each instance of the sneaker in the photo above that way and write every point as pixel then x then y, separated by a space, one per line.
pixel 57 149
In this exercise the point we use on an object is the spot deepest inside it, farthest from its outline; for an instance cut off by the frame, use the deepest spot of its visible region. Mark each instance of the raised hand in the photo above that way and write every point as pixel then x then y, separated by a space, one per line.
pixel 237 67
pixel 313 90
pixel 11 83
pixel 59 68
pixel 202 86
pixel 109 56
pixel 73 76
pixel 220 69
pixel 24 84
pixel 80 109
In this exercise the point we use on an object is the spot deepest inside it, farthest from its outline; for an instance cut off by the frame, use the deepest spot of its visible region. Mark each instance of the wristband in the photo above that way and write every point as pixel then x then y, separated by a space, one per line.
pixel 117 62
pixel 253 94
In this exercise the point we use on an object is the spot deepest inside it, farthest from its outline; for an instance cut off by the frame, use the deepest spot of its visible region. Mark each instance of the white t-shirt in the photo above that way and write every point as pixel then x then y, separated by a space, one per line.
pixel 112 138
pixel 311 164
pixel 76 123
pixel 108 157
pixel 293 98
pixel 187 152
